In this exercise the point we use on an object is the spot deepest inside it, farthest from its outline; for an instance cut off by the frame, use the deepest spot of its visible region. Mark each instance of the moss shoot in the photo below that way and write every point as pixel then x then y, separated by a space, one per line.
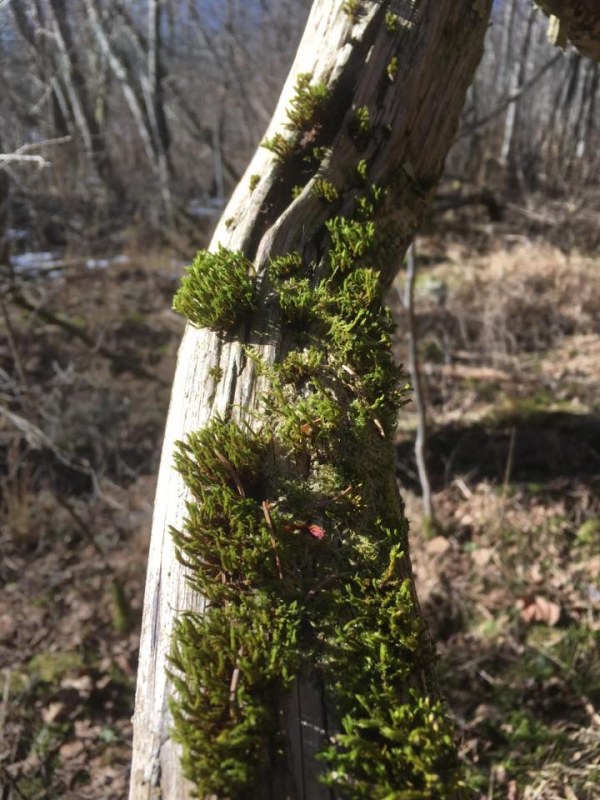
pixel 295 537
pixel 305 112
pixel 218 290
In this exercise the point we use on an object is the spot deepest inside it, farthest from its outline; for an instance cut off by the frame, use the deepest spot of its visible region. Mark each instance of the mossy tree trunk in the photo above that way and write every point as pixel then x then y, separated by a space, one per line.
pixel 355 149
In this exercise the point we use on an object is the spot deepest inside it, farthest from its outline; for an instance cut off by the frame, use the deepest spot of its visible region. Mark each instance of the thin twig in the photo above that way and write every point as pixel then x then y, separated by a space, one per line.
pixel 20 155
pixel 4 706
pixel 233 473
pixel 38 440
pixel 417 385
pixel 512 98
pixel 507 475
pixel 13 348
pixel 265 508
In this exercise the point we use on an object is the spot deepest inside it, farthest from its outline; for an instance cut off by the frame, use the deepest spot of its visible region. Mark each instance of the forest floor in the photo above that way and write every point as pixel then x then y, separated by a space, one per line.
pixel 510 349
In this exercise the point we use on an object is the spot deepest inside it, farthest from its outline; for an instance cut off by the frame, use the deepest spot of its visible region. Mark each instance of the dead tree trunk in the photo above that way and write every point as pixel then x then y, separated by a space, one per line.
pixel 329 202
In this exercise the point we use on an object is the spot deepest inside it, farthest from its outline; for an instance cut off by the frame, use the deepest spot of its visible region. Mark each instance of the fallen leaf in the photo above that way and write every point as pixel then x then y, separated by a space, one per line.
pixel 538 609
pixel 52 712
pixel 482 556
pixel 316 530
pixel 438 546
pixel 71 749
pixel 82 684
pixel 85 730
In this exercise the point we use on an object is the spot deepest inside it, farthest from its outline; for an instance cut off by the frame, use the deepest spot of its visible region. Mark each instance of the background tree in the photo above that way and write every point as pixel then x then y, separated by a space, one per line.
pixel 165 102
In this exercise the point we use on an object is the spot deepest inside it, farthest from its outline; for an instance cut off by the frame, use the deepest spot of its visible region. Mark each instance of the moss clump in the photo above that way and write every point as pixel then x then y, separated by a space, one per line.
pixel 351 240
pixel 296 538
pixel 218 290
pixel 254 181
pixel 285 266
pixel 362 120
pixel 308 102
pixel 362 169
pixel 392 68
pixel 325 190
pixel 391 21
pixel 352 9
pixel 306 110
pixel 281 146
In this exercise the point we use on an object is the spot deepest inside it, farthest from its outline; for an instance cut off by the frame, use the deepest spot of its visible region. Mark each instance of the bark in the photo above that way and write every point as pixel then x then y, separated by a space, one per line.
pixel 575 21
pixel 413 117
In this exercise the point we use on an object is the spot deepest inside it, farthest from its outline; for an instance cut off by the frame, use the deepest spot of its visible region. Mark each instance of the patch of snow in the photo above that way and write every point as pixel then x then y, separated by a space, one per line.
pixel 97 263
pixel 35 262
pixel 16 234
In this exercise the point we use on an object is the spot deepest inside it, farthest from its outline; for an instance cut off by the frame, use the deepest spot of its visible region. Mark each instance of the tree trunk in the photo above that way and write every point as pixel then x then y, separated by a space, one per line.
pixel 369 129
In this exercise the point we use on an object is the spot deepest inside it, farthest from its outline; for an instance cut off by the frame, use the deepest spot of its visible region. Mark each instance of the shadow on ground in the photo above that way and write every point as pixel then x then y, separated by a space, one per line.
pixel 540 447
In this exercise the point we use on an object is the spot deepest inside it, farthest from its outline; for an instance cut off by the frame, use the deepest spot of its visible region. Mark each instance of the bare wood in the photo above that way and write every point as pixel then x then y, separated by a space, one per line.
pixel 414 118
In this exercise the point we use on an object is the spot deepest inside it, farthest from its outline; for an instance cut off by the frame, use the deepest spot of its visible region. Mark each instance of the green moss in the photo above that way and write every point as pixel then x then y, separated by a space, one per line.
pixel 308 102
pixel 361 169
pixel 351 240
pixel 218 290
pixel 216 373
pixel 285 266
pixel 392 68
pixel 362 117
pixel 254 181
pixel 391 21
pixel 229 222
pixel 281 146
pixel 325 190
pixel 305 112
pixel 319 154
pixel 296 538
pixel 352 9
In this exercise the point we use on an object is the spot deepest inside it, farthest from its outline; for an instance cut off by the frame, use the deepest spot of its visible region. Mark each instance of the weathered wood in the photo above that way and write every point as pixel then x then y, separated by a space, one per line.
pixel 413 118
